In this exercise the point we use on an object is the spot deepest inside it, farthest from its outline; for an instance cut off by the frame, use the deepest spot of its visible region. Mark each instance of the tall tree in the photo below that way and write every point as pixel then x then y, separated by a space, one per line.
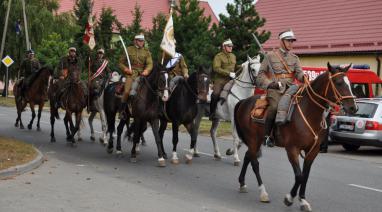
pixel 104 29
pixel 52 49
pixel 155 35
pixel 192 34
pixel 135 27
pixel 241 22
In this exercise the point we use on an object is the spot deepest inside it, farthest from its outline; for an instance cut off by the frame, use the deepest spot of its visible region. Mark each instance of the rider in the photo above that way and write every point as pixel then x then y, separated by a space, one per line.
pixel 179 69
pixel 69 65
pixel 100 74
pixel 224 67
pixel 28 70
pixel 141 65
pixel 283 79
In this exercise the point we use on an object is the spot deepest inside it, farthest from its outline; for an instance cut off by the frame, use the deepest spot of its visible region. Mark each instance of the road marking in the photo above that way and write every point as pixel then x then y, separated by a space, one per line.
pixel 203 153
pixel 364 187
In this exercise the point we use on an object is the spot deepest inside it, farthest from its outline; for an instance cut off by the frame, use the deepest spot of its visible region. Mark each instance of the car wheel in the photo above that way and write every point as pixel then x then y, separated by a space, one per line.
pixel 350 147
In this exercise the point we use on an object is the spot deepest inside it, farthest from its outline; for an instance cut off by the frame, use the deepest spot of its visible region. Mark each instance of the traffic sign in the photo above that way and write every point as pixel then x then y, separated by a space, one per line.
pixel 7 61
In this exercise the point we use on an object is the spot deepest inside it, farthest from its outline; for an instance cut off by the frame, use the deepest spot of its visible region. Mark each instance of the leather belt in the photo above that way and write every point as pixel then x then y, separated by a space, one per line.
pixel 283 76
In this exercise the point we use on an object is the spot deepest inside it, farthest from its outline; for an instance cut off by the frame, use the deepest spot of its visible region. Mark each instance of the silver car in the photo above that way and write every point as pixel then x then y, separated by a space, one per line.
pixel 361 129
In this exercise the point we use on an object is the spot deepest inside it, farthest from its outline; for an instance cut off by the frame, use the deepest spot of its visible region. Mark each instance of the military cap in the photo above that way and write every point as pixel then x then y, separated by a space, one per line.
pixel 287 35
pixel 139 37
pixel 72 49
pixel 227 43
pixel 30 51
pixel 101 51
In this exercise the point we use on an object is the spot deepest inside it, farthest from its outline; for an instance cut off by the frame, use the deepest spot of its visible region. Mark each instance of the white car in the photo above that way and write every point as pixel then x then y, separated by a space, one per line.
pixel 364 128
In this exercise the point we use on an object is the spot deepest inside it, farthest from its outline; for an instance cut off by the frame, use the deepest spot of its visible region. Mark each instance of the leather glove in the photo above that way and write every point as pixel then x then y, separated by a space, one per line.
pixel 232 74
pixel 273 85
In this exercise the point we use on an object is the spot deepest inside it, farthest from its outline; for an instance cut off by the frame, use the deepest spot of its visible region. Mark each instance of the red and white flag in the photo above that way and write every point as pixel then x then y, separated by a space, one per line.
pixel 89 34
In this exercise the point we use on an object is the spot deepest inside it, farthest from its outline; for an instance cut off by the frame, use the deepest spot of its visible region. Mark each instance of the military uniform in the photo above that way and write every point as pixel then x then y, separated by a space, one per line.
pixel 97 83
pixel 178 71
pixel 140 59
pixel 180 68
pixel 29 67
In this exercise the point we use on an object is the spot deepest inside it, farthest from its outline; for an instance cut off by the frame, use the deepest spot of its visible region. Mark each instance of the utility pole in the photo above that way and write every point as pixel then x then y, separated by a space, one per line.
pixel 5 31
pixel 26 26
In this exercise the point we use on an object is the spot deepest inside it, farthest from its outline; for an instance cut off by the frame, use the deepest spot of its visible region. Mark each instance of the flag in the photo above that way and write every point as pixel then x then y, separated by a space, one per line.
pixel 18 27
pixel 89 34
pixel 168 41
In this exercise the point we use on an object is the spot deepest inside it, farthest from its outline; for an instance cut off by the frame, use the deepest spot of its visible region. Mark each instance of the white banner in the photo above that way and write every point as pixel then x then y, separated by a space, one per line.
pixel 168 41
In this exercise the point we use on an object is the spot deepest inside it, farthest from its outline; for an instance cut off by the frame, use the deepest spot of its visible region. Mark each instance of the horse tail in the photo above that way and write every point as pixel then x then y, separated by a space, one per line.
pixel 238 129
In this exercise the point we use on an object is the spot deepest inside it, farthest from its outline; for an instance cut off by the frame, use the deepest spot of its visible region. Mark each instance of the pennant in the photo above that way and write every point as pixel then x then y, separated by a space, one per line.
pixel 88 38
pixel 168 41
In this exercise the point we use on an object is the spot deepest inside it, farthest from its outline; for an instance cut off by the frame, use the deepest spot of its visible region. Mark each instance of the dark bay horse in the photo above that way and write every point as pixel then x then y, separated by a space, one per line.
pixel 182 108
pixel 35 95
pixel 303 133
pixel 146 107
pixel 73 100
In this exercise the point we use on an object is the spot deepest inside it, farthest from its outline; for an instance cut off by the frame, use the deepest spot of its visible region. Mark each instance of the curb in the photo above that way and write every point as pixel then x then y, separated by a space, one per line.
pixel 23 168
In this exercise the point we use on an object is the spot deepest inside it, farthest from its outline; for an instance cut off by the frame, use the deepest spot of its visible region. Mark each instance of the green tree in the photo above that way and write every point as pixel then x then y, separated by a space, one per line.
pixel 52 49
pixel 155 35
pixel 241 22
pixel 192 34
pixel 104 29
pixel 134 28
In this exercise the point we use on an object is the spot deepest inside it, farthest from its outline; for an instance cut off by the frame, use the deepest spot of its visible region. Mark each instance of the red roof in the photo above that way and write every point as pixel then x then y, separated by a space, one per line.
pixel 325 26
pixel 122 9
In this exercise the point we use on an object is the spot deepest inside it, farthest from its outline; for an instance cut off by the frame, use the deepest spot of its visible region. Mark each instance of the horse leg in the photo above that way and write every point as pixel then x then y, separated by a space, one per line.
pixel 78 116
pixel 213 131
pixel 52 120
pixel 103 138
pixel 90 120
pixel 23 105
pixel 136 135
pixel 41 106
pixel 236 143
pixel 191 129
pixel 243 186
pixel 155 127
pixel 121 125
pixel 293 155
pixel 175 140
pixel 308 161
pixel 256 169
pixel 110 130
pixel 66 122
pixel 33 116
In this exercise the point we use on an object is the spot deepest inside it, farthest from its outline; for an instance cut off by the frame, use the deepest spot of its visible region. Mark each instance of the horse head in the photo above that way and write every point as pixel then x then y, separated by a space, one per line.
pixel 163 82
pixel 202 82
pixel 251 69
pixel 340 91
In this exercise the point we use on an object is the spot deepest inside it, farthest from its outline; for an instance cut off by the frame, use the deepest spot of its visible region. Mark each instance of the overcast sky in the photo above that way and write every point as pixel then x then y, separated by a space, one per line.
pixel 219 6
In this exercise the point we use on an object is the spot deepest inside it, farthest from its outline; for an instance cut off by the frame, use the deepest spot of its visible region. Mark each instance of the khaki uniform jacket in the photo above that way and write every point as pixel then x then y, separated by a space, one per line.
pixel 180 68
pixel 264 77
pixel 69 65
pixel 29 66
pixel 140 59
pixel 223 64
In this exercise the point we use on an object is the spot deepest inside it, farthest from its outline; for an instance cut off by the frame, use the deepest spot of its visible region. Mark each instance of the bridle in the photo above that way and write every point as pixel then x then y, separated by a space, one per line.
pixel 251 73
pixel 313 96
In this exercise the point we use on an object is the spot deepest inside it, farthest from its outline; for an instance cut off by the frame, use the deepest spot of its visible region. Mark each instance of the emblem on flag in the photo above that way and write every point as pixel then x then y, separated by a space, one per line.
pixel 89 34
pixel 168 41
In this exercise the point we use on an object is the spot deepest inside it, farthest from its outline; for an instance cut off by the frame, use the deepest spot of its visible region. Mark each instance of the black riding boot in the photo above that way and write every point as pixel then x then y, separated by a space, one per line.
pixel 269 121
pixel 213 105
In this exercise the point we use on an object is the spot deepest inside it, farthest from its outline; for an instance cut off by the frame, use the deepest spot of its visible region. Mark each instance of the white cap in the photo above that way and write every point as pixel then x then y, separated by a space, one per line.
pixel 227 43
pixel 101 50
pixel 287 35
pixel 140 37
pixel 72 49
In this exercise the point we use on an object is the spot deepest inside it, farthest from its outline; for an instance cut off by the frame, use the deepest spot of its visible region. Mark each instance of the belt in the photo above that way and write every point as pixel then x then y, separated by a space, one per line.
pixel 283 76
pixel 137 66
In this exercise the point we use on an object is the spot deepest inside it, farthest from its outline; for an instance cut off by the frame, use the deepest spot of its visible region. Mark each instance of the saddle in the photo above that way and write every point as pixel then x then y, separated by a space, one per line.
pixel 258 112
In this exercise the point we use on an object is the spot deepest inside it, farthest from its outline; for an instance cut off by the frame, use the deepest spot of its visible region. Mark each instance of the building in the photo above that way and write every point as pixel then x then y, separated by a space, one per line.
pixel 123 9
pixel 338 31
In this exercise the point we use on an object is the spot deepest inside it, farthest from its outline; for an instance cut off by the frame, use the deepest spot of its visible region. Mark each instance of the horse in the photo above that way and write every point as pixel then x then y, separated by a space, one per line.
pixel 151 92
pixel 303 133
pixel 73 100
pixel 182 108
pixel 243 87
pixel 35 95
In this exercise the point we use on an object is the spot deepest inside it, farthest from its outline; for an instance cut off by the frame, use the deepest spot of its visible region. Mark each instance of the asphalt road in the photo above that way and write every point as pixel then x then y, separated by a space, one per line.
pixel 86 178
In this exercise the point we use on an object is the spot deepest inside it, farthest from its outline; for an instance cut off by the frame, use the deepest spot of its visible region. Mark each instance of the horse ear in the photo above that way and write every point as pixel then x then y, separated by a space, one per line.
pixel 347 67
pixel 330 68
pixel 249 58
pixel 258 57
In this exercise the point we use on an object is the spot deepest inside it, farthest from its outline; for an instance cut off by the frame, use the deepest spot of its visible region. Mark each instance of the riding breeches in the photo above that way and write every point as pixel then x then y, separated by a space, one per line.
pixel 273 98
pixel 218 87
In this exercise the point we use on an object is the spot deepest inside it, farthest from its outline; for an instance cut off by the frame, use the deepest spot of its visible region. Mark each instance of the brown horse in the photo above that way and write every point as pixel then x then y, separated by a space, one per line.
pixel 73 100
pixel 303 133
pixel 35 95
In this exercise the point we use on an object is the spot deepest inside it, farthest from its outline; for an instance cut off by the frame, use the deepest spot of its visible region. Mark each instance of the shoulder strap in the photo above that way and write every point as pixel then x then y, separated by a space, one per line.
pixel 283 62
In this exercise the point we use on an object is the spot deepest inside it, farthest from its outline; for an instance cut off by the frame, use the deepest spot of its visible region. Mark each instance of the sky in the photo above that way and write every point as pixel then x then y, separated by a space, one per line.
pixel 218 6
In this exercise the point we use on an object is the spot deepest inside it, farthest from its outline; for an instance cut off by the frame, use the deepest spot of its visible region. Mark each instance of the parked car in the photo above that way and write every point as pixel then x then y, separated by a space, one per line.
pixel 361 129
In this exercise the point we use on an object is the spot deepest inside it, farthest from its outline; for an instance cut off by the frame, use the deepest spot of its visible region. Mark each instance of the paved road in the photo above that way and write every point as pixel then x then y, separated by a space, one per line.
pixel 86 178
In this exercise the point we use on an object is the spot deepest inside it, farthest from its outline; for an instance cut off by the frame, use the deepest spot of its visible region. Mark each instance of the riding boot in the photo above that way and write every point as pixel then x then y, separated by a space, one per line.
pixel 213 105
pixel 268 129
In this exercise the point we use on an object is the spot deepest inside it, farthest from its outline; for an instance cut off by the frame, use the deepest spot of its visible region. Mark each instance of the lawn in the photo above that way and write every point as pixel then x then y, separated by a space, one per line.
pixel 13 152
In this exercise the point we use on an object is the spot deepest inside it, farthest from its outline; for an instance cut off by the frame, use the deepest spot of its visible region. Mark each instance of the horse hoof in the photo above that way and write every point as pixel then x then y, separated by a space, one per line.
pixel 133 160
pixel 196 155
pixel 188 159
pixel 109 150
pixel 92 138
pixel 101 140
pixel 21 127
pixel 38 129
pixel 229 152
pixel 29 127
pixel 79 139
pixel 217 157
pixel 236 163
pixel 243 189
pixel 305 206
pixel 161 162
pixel 16 125
pixel 288 200
pixel 175 161
pixel 74 144
pixel 52 140
pixel 118 152
pixel 264 198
